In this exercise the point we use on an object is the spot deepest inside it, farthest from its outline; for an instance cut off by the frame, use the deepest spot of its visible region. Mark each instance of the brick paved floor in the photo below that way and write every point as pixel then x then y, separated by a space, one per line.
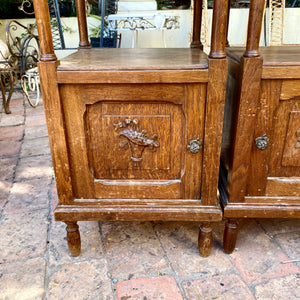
pixel 138 260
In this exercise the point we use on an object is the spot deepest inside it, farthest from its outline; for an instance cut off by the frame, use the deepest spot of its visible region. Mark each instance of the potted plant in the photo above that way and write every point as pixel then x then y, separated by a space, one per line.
pixel 109 37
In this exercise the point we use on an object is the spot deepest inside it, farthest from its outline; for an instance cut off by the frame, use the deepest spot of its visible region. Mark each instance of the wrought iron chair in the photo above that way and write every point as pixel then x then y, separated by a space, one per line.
pixel 22 55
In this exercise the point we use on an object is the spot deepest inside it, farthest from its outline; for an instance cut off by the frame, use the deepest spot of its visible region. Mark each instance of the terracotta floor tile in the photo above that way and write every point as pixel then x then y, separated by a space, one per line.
pixel 39 146
pixel 77 281
pixel 276 226
pixel 279 288
pixel 155 288
pixel 22 280
pixel 180 241
pixel 34 167
pixel 29 196
pixel 35 120
pixel 34 132
pixel 257 257
pixel 11 133
pixel 226 287
pixel 4 192
pixel 23 235
pixel 133 250
pixel 8 167
pixel 11 120
pixel 290 242
pixel 10 148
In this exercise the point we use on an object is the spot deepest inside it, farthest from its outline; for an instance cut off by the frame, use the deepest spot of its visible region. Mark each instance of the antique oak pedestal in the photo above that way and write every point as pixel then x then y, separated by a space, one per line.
pixel 260 177
pixel 135 134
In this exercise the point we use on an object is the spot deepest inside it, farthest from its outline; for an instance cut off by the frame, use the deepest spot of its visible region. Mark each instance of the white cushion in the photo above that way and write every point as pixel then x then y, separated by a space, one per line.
pixel 4 52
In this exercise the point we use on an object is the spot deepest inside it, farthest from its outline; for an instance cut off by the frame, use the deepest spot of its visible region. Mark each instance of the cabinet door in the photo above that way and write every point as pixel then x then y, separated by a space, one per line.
pixel 275 171
pixel 137 140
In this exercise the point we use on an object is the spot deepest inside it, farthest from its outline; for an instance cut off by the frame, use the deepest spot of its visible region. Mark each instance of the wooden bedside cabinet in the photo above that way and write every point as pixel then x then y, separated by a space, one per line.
pixel 135 134
pixel 261 145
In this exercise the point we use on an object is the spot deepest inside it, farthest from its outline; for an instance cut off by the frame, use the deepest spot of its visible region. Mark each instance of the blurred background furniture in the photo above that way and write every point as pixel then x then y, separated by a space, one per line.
pixel 20 55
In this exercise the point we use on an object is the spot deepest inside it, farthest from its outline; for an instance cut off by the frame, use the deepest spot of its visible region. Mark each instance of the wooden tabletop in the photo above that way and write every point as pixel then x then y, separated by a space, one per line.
pixel 105 59
pixel 272 55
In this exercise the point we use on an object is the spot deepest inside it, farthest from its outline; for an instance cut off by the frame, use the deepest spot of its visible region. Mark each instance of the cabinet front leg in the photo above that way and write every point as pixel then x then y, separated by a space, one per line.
pixel 73 237
pixel 230 235
pixel 205 239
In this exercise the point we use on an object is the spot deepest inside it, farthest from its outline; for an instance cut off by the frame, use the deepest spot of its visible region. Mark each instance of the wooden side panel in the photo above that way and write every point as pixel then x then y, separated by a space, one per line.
pixel 213 129
pixel 291 152
pixel 56 130
pixel 128 189
pixel 74 110
pixel 290 89
pixel 194 110
pixel 281 72
pixel 134 92
pixel 244 131
pixel 283 186
pixel 284 157
pixel 258 169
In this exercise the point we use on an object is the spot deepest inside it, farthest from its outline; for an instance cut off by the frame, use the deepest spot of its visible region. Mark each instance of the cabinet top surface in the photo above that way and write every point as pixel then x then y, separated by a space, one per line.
pixel 272 55
pixel 105 59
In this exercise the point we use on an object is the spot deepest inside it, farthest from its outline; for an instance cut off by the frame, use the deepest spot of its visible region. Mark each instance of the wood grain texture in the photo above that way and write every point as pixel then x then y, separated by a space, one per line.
pixel 127 189
pixel 134 93
pixel 284 72
pixel 291 151
pixel 56 131
pixel 230 235
pixel 82 24
pixel 290 89
pixel 243 134
pixel 279 186
pixel 259 159
pixel 284 157
pixel 149 212
pixel 213 129
pixel 205 239
pixel 82 179
pixel 197 22
pixel 256 14
pixel 44 30
pixel 116 77
pixel 219 29
pixel 194 114
pixel 104 59
pixel 262 209
pixel 73 238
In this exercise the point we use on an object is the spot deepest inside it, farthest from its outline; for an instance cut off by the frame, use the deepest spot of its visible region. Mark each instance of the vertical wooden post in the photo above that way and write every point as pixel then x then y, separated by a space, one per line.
pixel 197 21
pixel 82 25
pixel 44 29
pixel 219 29
pixel 216 87
pixel 256 14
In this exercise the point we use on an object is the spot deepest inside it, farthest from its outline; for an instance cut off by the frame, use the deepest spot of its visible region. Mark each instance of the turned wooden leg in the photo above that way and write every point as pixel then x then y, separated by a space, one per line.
pixel 205 239
pixel 230 235
pixel 73 237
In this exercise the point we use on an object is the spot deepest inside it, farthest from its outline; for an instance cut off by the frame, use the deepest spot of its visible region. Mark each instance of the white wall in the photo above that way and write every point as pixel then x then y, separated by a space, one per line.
pixel 181 37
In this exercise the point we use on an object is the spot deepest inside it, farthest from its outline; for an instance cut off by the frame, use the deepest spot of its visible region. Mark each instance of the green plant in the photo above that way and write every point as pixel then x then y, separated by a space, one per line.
pixel 96 30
